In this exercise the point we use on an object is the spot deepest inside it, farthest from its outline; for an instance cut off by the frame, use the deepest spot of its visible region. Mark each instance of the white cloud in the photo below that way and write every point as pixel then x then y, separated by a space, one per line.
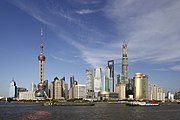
pixel 175 68
pixel 85 11
pixel 152 28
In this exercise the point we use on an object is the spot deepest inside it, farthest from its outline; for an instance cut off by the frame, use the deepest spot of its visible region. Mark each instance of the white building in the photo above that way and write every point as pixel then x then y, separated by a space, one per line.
pixel 89 80
pixel 97 80
pixel 107 79
pixel 13 89
pixel 28 95
pixel 80 91
pixel 170 96
pixel 155 93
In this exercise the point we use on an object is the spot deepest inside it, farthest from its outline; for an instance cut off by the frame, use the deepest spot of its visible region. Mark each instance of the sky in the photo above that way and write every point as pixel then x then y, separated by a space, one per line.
pixel 80 34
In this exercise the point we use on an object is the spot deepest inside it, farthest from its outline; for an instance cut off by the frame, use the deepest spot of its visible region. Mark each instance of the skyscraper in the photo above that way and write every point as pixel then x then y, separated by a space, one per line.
pixel 89 83
pixel 111 82
pixel 138 86
pixel 124 62
pixel 121 90
pixel 107 79
pixel 13 89
pixel 145 87
pixel 97 80
pixel 40 93
pixel 71 81
pixel 80 91
pixel 141 86
pixel 46 87
pixel 57 89
pixel 71 90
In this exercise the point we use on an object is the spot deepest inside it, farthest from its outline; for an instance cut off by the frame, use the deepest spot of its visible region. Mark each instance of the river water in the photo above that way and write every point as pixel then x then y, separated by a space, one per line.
pixel 19 111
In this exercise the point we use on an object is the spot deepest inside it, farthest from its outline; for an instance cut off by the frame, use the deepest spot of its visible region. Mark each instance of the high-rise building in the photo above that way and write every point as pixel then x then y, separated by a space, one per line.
pixel 80 91
pixel 124 61
pixel 138 86
pixel 177 95
pixel 40 93
pixel 57 88
pixel 89 83
pixel 13 89
pixel 129 88
pixel 111 82
pixel 72 90
pixel 71 81
pixel 155 92
pixel 145 87
pixel 89 80
pixel 121 90
pixel 66 91
pixel 97 80
pixel 107 79
pixel 46 87
pixel 51 88
pixel 118 78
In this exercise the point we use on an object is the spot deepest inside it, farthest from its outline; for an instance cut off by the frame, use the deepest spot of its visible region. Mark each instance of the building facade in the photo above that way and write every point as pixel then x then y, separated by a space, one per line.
pixel 89 83
pixel 13 89
pixel 111 80
pixel 58 89
pixel 80 91
pixel 72 90
pixel 27 95
pixel 107 79
pixel 145 87
pixel 155 92
pixel 97 80
pixel 121 90
pixel 138 86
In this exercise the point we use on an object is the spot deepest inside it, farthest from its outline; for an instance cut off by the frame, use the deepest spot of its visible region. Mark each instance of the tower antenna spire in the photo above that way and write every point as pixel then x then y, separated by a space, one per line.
pixel 41 46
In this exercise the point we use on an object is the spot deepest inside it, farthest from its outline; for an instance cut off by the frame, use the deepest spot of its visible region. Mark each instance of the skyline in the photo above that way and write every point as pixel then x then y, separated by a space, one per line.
pixel 80 34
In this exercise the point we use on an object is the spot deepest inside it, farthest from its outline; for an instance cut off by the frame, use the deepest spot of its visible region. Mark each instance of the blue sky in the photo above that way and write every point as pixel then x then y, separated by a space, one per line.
pixel 80 34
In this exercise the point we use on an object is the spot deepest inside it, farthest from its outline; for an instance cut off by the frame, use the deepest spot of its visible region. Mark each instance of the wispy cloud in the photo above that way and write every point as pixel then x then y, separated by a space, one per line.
pixel 175 68
pixel 89 1
pixel 85 11
pixel 152 28
pixel 62 59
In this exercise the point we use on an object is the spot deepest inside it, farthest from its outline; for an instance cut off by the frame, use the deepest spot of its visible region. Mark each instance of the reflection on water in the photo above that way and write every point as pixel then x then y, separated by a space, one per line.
pixel 36 115
pixel 14 111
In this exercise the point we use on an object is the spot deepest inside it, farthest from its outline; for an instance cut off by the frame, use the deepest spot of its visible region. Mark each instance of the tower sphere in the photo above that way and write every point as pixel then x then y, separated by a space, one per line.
pixel 41 57
pixel 39 93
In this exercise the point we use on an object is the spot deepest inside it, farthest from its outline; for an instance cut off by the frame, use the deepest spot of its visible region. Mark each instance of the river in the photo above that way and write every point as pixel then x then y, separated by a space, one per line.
pixel 25 111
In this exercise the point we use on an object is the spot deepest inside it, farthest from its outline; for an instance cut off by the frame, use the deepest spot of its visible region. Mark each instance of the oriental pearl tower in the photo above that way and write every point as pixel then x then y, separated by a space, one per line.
pixel 40 93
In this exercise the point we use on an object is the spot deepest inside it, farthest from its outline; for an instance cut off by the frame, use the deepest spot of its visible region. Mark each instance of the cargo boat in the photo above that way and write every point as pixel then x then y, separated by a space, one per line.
pixel 67 104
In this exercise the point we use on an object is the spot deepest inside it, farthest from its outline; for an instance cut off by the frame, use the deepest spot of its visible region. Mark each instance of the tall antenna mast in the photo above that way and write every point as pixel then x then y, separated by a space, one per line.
pixel 41 46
